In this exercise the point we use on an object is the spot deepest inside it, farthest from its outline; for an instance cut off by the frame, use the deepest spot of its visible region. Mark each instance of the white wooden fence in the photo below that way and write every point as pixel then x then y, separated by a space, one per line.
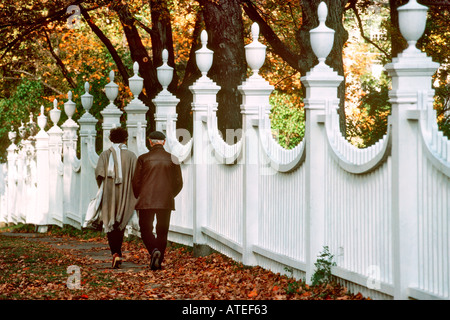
pixel 383 211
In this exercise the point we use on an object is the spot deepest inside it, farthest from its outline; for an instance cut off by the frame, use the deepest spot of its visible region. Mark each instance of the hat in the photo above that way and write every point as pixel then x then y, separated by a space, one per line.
pixel 157 135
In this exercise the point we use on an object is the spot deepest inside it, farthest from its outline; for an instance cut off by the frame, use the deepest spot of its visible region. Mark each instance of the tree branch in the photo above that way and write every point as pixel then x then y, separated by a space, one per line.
pixel 120 66
pixel 435 2
pixel 292 15
pixel 34 78
pixel 278 46
pixel 59 62
pixel 19 38
pixel 367 39
pixel 140 55
pixel 146 28
pixel 32 26
pixel 284 78
pixel 351 4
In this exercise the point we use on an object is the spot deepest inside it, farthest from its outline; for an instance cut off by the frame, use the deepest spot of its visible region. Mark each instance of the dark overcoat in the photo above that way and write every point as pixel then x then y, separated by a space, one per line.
pixel 157 179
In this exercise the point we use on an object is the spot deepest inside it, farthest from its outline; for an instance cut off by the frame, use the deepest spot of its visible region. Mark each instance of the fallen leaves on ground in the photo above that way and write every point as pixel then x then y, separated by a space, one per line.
pixel 36 270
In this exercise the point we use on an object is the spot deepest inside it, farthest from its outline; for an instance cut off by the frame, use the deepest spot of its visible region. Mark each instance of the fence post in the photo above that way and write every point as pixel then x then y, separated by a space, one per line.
pixel 255 102
pixel 29 194
pixel 87 123
pixel 204 92
pixel 411 75
pixel 69 139
pixel 3 197
pixel 165 102
pixel 321 84
pixel 111 114
pixel 136 110
pixel 55 133
pixel 42 163
pixel 12 176
pixel 19 214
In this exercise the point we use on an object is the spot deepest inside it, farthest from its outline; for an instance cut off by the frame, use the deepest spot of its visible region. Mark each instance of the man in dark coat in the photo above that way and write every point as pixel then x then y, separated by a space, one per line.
pixel 157 181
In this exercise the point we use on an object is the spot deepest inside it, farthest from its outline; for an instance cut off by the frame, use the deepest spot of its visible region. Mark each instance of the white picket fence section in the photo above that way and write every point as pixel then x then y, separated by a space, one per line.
pixel 383 211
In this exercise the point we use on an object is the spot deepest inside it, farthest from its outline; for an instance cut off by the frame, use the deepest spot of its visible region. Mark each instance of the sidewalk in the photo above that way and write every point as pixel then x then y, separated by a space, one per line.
pixel 31 269
pixel 99 252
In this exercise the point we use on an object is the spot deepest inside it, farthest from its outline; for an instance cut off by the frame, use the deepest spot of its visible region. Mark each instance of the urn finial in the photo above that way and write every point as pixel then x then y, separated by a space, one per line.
pixel 412 18
pixel 204 56
pixel 42 119
pixel 255 52
pixel 87 99
pixel 165 72
pixel 55 113
pixel 69 106
pixel 12 135
pixel 322 37
pixel 111 89
pixel 136 82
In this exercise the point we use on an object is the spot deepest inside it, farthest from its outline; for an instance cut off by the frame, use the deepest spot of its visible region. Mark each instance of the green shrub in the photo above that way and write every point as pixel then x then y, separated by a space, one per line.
pixel 323 265
pixel 287 119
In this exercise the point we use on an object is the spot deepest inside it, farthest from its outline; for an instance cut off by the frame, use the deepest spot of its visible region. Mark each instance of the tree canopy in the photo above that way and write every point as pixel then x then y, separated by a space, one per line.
pixel 49 47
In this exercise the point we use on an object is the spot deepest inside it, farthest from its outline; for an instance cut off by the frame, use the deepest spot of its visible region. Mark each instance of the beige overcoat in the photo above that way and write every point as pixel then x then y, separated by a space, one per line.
pixel 118 199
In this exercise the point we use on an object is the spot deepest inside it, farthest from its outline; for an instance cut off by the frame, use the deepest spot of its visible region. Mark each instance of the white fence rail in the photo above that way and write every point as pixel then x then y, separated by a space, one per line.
pixel 383 211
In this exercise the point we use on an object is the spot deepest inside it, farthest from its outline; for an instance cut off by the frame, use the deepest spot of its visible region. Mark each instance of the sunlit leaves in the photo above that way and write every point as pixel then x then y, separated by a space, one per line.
pixel 287 119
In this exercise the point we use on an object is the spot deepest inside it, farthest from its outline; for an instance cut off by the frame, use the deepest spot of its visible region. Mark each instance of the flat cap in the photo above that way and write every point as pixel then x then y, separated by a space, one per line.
pixel 157 135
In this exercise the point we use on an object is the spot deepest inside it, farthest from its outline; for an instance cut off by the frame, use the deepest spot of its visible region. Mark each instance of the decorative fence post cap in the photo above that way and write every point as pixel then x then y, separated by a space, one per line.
pixel 412 19
pixel 87 99
pixel 165 72
pixel 255 52
pixel 204 56
pixel 322 37
pixel 12 135
pixel 42 119
pixel 136 82
pixel 22 130
pixel 55 113
pixel 31 125
pixel 69 106
pixel 31 118
pixel 111 89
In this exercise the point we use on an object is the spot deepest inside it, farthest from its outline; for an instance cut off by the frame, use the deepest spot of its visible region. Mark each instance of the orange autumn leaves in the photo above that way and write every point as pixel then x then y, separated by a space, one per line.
pixel 37 270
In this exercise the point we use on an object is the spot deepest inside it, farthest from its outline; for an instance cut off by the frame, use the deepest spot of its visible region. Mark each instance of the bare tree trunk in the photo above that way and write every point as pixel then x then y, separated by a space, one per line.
pixel 292 58
pixel 139 53
pixel 306 59
pixel 334 21
pixel 191 74
pixel 223 21
pixel 162 37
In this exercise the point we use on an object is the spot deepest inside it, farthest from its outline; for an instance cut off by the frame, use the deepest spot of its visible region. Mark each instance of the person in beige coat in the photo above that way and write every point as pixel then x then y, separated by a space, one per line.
pixel 115 168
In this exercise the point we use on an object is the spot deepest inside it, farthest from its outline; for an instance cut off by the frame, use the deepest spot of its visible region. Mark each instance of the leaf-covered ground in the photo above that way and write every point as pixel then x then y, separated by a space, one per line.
pixel 37 270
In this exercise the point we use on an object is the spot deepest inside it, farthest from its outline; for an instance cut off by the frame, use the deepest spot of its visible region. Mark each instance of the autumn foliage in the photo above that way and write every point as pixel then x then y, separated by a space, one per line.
pixel 47 50
pixel 37 270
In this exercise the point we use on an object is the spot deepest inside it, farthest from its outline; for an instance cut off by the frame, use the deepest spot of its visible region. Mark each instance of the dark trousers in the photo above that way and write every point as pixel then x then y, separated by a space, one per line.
pixel 146 217
pixel 115 240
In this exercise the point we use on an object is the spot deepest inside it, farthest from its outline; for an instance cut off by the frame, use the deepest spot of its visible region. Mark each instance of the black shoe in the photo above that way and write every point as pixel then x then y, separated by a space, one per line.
pixel 155 263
